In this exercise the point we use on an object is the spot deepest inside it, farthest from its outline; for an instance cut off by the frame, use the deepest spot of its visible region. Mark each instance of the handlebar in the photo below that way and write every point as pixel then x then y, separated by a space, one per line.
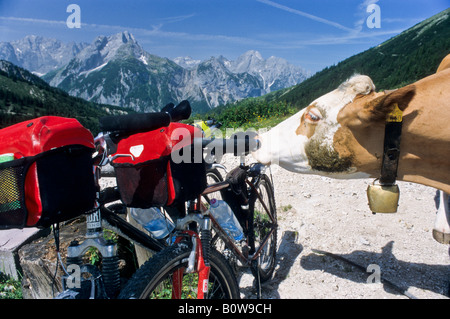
pixel 120 126
pixel 134 122
pixel 146 121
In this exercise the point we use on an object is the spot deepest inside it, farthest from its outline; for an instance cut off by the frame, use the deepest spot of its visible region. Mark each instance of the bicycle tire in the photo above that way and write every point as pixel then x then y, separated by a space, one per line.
pixel 213 176
pixel 149 277
pixel 261 225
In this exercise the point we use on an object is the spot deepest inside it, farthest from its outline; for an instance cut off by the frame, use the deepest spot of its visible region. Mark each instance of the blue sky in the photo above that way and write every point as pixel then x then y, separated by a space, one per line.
pixel 310 34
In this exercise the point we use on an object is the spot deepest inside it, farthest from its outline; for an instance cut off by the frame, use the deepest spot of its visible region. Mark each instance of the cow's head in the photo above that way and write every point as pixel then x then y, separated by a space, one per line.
pixel 339 133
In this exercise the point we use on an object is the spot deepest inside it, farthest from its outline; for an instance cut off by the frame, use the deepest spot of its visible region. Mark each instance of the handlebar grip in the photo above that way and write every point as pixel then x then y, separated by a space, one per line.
pixel 180 112
pixel 134 122
pixel 237 144
pixel 146 121
pixel 244 143
pixel 168 108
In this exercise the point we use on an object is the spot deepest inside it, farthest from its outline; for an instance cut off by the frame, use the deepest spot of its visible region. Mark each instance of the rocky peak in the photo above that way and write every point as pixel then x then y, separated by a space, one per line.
pixel 38 54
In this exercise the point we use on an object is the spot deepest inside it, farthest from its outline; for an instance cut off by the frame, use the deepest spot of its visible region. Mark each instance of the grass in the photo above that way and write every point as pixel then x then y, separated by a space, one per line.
pixel 188 290
pixel 10 288
pixel 286 208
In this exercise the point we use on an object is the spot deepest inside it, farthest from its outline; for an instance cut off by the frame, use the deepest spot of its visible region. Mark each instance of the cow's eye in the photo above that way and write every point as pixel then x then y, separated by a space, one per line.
pixel 313 116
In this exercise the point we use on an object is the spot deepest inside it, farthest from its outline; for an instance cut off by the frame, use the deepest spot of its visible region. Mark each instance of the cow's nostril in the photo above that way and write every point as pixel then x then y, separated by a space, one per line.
pixel 258 142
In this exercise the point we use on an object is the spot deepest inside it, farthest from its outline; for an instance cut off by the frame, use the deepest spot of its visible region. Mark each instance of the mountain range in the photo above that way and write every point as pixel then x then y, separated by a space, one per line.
pixel 38 54
pixel 116 70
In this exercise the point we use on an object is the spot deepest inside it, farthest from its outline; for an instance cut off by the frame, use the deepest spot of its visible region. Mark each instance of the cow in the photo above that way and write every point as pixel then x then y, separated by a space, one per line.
pixel 341 135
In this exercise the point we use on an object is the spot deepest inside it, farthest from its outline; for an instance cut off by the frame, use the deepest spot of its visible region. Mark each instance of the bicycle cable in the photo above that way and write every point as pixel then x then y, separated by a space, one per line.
pixel 56 237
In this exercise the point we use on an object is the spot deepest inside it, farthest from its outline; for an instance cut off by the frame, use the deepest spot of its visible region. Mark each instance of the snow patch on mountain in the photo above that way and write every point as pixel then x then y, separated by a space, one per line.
pixel 143 59
pixel 187 62
pixel 274 73
pixel 98 68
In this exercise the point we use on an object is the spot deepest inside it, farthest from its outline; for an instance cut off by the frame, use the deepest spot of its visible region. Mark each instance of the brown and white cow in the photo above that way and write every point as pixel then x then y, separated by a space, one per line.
pixel 341 135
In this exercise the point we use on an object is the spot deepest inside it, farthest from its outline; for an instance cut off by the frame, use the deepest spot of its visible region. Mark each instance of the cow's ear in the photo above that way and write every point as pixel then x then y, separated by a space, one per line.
pixel 379 108
pixel 445 64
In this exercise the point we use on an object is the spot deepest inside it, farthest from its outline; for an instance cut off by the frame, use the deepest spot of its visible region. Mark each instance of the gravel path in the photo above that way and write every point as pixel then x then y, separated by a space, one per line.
pixel 318 214
pixel 322 214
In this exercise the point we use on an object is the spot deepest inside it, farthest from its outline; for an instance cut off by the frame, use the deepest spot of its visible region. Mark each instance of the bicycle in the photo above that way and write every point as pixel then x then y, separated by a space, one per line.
pixel 249 191
pixel 95 284
pixel 192 259
pixel 82 281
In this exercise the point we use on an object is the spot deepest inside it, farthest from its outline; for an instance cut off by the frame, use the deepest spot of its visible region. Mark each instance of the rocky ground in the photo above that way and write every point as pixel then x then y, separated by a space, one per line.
pixel 328 237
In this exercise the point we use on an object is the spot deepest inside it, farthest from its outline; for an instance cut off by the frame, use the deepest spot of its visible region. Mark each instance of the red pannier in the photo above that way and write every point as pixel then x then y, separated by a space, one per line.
pixel 160 167
pixel 51 177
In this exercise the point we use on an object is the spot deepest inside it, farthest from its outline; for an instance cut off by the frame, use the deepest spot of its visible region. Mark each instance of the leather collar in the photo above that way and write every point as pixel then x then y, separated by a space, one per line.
pixel 391 148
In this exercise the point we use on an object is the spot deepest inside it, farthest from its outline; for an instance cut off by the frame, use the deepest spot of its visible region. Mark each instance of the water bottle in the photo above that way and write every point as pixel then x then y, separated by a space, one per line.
pixel 226 218
pixel 153 220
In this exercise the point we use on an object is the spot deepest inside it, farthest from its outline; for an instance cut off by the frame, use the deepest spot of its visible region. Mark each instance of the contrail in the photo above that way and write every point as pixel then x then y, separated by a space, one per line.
pixel 306 15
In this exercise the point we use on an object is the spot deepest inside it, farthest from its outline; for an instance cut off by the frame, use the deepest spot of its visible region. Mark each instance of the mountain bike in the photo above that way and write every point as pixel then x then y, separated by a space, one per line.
pixel 188 247
pixel 106 283
pixel 191 267
pixel 83 281
pixel 182 270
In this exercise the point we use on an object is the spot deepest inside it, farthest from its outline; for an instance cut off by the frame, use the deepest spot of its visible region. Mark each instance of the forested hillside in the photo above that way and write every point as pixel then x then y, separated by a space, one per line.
pixel 24 96
pixel 404 59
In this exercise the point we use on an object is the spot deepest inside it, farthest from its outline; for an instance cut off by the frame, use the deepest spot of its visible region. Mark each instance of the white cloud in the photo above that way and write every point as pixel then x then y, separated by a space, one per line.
pixel 30 20
pixel 356 37
pixel 155 32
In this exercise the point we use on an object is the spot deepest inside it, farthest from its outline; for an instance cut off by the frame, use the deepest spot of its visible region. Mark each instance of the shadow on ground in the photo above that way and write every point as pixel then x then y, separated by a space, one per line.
pixel 287 253
pixel 397 276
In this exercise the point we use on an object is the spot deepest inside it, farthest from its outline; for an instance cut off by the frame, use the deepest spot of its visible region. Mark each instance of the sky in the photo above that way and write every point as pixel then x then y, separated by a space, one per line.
pixel 310 34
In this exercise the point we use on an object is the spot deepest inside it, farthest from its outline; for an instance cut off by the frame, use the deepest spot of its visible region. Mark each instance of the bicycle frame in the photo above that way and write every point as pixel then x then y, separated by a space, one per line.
pixel 196 260
pixel 94 232
pixel 197 212
pixel 243 257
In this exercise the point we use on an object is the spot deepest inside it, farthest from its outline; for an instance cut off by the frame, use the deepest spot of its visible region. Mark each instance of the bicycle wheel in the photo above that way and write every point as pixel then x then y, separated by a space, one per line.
pixel 154 279
pixel 263 225
pixel 213 176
